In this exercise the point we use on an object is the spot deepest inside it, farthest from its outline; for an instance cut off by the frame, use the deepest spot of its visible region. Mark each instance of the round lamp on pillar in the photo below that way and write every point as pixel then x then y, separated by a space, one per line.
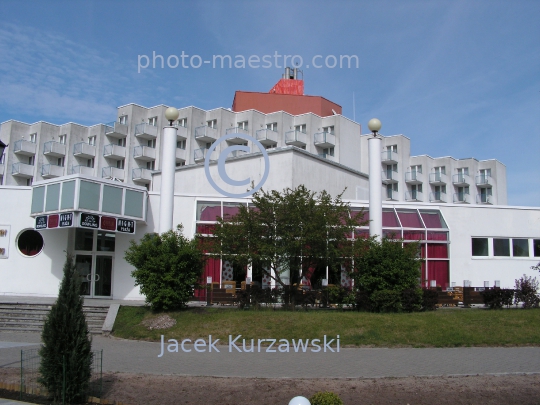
pixel 375 179
pixel 168 167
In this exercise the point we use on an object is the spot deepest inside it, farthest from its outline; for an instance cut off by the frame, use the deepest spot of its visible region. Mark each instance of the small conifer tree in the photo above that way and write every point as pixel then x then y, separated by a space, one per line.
pixel 66 342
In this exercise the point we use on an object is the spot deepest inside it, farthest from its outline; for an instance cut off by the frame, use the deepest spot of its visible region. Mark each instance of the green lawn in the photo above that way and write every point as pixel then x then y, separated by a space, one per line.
pixel 441 328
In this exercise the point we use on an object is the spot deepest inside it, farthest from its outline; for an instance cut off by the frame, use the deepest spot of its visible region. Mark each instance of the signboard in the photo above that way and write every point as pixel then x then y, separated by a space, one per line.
pixel 108 223
pixel 66 220
pixel 125 225
pixel 4 241
pixel 41 222
pixel 53 221
pixel 89 221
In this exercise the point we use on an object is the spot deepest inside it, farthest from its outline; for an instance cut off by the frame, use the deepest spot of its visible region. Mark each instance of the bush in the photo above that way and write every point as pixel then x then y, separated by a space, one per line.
pixel 497 298
pixel 362 301
pixel 411 300
pixel 429 299
pixel 386 301
pixel 166 267
pixel 325 398
pixel 526 292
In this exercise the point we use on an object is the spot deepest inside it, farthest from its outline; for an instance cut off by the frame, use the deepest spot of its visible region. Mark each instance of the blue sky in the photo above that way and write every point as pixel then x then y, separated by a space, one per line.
pixel 460 78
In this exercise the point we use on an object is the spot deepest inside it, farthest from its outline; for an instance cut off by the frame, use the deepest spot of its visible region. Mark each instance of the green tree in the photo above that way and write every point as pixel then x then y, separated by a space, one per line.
pixel 166 268
pixel 289 232
pixel 66 342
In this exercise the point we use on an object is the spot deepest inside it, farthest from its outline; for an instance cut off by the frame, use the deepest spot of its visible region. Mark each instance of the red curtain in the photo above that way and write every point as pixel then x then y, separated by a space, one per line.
pixel 437 251
pixel 438 271
pixel 409 219
pixel 210 213
pixel 413 235
pixel 389 219
pixel 229 211
pixel 206 229
pixel 432 219
pixel 437 235
pixel 212 269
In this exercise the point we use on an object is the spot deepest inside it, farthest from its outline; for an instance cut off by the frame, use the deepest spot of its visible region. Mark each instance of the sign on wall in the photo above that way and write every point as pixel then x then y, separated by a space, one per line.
pixel 85 220
pixel 89 221
pixel 5 231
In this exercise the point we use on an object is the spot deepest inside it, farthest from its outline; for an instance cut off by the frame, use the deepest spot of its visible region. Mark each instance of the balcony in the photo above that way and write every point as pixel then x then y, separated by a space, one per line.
pixel 206 134
pixel 390 176
pixel 324 140
pixel 437 179
pixel 328 156
pixel 25 148
pixel 80 169
pixel 414 196
pixel 461 180
pixel 295 138
pixel 113 151
pixel 390 195
pixel 484 180
pixel 267 137
pixel 111 172
pixel 484 199
pixel 438 197
pixel 116 130
pixel 146 131
pixel 181 155
pixel 144 153
pixel 49 171
pixel 237 140
pixel 389 157
pixel 141 175
pixel 181 133
pixel 236 153
pixel 200 154
pixel 22 170
pixel 54 149
pixel 462 198
pixel 414 178
pixel 84 150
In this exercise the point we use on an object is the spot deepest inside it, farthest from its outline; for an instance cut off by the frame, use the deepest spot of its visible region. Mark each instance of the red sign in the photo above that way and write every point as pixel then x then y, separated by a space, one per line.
pixel 108 223
pixel 53 221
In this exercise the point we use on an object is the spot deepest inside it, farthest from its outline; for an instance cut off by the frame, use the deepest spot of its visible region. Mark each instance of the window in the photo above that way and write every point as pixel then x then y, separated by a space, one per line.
pixel 151 143
pixel 329 151
pixel 392 148
pixel 501 247
pixel 416 169
pixel 243 125
pixel 208 144
pixel 181 144
pixel 33 138
pixel 62 139
pixel 181 163
pixel 2 159
pixel 61 161
pixel 92 140
pixel 480 247
pixel 485 193
pixel 90 163
pixel 120 164
pixel 463 171
pixel 122 142
pixel 520 247
pixel 536 247
pixel 151 165
pixel 29 181
pixel 152 121
pixel 300 128
pixel 105 241
pixel 440 170
pixel 31 160
pixel 485 172
pixel 212 123
pixel 123 119
pixel 182 122
pixel 272 126
pixel 84 239
pixel 30 243
pixel 328 130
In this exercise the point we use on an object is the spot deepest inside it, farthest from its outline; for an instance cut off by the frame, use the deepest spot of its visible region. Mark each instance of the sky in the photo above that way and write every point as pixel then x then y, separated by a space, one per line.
pixel 459 78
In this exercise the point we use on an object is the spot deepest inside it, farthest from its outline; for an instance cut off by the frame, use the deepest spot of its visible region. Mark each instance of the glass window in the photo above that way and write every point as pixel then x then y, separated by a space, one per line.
pixel 105 241
pixel 231 209
pixel 437 251
pixel 208 211
pixel 413 235
pixel 536 247
pixel 89 196
pixel 409 219
pixel 30 243
pixel 520 247
pixel 433 219
pixel 389 218
pixel 112 200
pixel 134 203
pixel 68 195
pixel 437 235
pixel 84 239
pixel 480 247
pixel 38 197
pixel 53 197
pixel 501 247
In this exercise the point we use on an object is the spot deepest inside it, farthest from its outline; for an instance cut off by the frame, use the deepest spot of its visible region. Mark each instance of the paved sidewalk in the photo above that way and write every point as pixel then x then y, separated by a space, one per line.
pixel 142 357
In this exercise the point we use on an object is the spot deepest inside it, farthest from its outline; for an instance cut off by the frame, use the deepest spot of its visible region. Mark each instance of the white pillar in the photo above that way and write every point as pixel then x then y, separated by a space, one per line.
pixel 375 185
pixel 168 167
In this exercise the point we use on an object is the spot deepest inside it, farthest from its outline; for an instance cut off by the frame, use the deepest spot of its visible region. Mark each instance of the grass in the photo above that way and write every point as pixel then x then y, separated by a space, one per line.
pixel 441 328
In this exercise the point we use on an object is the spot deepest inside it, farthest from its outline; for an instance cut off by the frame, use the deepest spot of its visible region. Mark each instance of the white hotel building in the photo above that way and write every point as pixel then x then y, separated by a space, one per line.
pixel 90 190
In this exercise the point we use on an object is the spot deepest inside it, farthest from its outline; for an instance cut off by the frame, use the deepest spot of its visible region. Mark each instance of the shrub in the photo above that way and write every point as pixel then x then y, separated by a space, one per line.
pixel 325 398
pixel 526 292
pixel 362 301
pixel 497 298
pixel 386 301
pixel 411 300
pixel 166 267
pixel 429 299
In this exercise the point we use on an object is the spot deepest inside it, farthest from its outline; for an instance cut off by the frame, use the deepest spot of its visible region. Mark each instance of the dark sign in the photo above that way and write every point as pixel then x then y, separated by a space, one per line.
pixel 108 223
pixel 125 225
pixel 89 221
pixel 41 222
pixel 66 220
pixel 53 221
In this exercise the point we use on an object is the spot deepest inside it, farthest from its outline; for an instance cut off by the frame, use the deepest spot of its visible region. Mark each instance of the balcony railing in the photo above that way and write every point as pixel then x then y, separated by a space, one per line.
pixel 200 154
pixel 327 156
pixel 391 195
pixel 114 151
pixel 23 147
pixel 144 153
pixel 146 131
pixel 80 169
pixel 414 178
pixel 84 150
pixel 296 138
pixel 141 175
pixel 461 179
pixel 484 199
pixel 2 168
pixel 181 155
pixel 53 148
pixel 484 180
pixel 116 130
pixel 437 178
pixel 437 196
pixel 389 157
pixel 237 153
pixel 181 133
pixel 390 176
pixel 413 196
pixel 462 198
pixel 324 139
pixel 206 134
pixel 22 170
pixel 267 136
pixel 237 130
pixel 49 171
pixel 111 172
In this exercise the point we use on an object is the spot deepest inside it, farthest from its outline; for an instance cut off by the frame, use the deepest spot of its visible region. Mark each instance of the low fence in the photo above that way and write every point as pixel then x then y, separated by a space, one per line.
pixel 467 296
